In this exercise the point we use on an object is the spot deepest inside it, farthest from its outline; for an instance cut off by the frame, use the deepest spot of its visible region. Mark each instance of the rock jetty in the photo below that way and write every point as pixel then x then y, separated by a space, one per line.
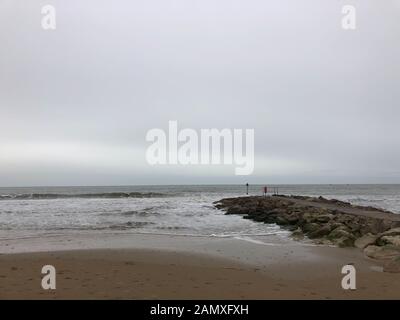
pixel 326 221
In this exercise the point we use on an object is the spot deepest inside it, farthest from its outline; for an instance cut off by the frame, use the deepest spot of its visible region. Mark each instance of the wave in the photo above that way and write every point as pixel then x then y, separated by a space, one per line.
pixel 108 195
pixel 369 199
pixel 255 241
pixel 149 211
pixel 129 225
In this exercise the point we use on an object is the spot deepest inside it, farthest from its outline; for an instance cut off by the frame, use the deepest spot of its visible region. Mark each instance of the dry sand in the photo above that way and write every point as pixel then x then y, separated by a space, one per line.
pixel 218 269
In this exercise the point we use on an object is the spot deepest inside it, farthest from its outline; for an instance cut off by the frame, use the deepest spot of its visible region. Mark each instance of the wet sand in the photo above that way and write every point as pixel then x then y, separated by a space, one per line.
pixel 126 266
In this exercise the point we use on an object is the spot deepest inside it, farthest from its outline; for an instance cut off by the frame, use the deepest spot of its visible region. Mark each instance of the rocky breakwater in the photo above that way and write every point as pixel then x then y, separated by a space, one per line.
pixel 330 222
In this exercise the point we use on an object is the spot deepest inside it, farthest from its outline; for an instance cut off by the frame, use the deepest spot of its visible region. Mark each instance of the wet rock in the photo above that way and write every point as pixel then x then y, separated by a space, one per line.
pixel 320 232
pixel 293 218
pixel 310 227
pixel 291 227
pixel 286 219
pixel 298 234
pixel 237 209
pixel 281 220
pixel 258 217
pixel 322 224
pixel 309 217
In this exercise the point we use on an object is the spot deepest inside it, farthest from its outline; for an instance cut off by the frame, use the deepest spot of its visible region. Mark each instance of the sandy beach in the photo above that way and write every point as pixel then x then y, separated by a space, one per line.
pixel 129 266
pixel 217 150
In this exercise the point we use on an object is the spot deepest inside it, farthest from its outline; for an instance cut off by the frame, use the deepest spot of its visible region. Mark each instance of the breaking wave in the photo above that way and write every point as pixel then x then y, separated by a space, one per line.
pixel 108 195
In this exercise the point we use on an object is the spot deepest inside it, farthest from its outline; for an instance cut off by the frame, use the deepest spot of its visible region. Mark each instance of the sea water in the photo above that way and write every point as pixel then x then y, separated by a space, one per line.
pixel 177 210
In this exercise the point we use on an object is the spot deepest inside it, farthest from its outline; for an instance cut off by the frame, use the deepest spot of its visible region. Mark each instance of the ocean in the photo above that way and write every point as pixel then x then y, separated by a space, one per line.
pixel 177 210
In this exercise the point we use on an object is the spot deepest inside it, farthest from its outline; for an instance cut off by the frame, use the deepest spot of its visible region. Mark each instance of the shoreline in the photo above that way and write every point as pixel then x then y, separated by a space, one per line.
pixel 125 265
pixel 165 267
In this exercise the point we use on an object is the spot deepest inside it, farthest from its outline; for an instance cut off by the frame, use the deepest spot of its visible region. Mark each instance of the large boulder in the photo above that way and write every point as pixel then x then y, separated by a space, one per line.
pixel 391 232
pixel 285 219
pixel 320 232
pixel 341 237
pixel 344 242
pixel 389 240
pixel 381 253
pixel 378 226
pixel 310 227
pixel 293 218
pixel 340 232
pixel 365 241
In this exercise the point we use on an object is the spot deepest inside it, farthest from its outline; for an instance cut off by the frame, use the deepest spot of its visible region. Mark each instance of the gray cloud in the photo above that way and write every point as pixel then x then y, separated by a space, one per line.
pixel 76 103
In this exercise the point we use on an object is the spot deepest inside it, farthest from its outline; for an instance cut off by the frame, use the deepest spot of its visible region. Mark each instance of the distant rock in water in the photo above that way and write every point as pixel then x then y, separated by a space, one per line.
pixel 326 221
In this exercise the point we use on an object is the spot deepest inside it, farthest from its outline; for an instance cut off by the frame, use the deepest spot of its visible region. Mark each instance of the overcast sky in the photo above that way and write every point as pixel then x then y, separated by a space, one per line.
pixel 76 103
